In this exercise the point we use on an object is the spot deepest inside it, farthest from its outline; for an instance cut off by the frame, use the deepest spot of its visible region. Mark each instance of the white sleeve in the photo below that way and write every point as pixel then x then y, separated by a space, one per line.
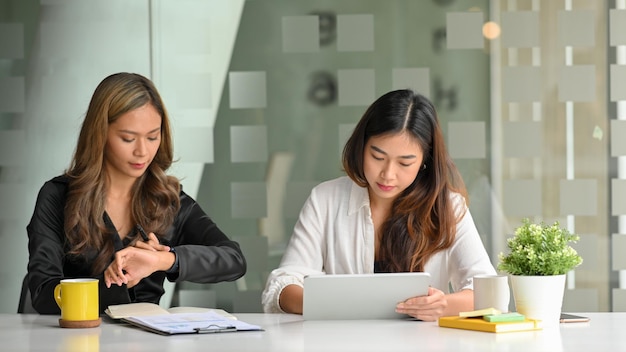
pixel 468 256
pixel 302 257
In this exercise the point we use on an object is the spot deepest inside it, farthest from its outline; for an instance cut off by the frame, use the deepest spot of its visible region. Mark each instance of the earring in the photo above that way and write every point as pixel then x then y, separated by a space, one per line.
pixel 424 167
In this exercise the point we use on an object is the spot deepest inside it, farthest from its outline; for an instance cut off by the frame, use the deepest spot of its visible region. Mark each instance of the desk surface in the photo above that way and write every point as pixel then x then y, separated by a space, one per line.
pixel 605 332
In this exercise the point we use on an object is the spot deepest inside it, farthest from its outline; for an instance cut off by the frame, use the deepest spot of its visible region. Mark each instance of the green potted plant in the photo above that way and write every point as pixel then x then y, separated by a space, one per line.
pixel 539 256
pixel 540 250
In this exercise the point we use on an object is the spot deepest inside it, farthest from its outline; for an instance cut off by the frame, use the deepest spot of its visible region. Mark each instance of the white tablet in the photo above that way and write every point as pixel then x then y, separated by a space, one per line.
pixel 360 296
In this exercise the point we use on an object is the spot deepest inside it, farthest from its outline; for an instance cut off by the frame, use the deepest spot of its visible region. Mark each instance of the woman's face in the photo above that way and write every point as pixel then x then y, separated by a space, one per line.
pixel 132 142
pixel 391 163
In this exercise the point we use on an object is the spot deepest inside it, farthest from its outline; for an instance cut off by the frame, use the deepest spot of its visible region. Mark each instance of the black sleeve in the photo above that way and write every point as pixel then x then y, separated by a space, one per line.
pixel 205 253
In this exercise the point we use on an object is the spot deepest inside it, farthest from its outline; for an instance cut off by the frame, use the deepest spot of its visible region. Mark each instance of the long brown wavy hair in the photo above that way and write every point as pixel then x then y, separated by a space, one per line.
pixel 423 218
pixel 155 195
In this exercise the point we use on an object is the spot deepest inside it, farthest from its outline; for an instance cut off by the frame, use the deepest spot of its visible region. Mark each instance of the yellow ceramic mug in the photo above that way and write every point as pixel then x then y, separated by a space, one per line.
pixel 78 300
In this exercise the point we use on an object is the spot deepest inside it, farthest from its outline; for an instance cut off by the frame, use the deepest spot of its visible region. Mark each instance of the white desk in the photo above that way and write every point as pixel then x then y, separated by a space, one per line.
pixel 605 332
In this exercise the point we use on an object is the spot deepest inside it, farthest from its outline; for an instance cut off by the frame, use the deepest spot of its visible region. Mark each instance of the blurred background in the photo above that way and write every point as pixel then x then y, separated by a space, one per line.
pixel 264 93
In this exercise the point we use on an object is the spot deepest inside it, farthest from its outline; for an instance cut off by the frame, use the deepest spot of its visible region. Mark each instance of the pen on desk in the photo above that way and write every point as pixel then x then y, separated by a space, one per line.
pixel 143 234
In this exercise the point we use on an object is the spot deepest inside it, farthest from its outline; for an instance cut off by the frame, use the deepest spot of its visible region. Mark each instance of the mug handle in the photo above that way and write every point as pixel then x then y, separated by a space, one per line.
pixel 57 294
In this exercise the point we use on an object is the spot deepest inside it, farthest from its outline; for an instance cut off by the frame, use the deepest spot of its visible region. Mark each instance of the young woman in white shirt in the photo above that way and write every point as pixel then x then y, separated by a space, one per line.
pixel 401 208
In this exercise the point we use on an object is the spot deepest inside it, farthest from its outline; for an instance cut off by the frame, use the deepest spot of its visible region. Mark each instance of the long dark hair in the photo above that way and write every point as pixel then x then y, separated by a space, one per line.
pixel 155 195
pixel 423 217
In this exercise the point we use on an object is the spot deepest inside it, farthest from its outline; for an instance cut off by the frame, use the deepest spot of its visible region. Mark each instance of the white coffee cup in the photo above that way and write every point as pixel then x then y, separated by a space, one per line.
pixel 491 291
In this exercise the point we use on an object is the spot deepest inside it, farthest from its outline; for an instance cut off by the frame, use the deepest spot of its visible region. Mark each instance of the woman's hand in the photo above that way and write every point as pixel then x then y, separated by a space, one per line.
pixel 427 308
pixel 290 299
pixel 152 244
pixel 129 266
pixel 133 263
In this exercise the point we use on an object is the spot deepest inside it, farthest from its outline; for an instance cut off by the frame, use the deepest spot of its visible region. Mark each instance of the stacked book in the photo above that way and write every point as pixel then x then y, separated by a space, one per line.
pixel 490 320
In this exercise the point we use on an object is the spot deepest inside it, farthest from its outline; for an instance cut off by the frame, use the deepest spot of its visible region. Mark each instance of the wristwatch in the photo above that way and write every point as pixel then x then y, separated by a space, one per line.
pixel 174 268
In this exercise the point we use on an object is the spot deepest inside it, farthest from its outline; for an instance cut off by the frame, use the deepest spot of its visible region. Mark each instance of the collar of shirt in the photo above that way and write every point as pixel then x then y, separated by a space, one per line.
pixel 359 198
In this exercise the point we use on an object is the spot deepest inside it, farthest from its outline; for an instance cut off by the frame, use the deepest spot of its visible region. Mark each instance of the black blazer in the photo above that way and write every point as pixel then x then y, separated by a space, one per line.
pixel 205 254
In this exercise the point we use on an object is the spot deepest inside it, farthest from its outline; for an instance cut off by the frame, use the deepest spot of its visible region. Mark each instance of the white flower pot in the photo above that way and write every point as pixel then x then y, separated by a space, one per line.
pixel 539 297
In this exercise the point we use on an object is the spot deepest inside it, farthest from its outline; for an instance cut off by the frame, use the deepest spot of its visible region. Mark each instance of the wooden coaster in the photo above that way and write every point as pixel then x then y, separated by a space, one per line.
pixel 79 324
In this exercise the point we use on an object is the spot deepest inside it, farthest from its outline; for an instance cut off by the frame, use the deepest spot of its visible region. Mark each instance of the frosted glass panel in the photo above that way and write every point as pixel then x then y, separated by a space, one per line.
pixel 264 94
pixel 619 300
pixel 617 252
pixel 247 90
pixel 520 29
pixel 576 28
pixel 192 91
pixel 522 198
pixel 464 30
pixel 248 199
pixel 248 144
pixel 579 197
pixel 617 27
pixel 521 84
pixel 588 247
pixel 618 82
pixel 194 144
pixel 191 117
pixel 577 83
pixel 301 34
pixel 618 143
pixel 355 32
pixel 417 79
pixel 618 197
pixel 185 39
pixel 189 174
pixel 297 193
pixel 345 131
pixel 356 87
pixel 467 140
pixel 522 139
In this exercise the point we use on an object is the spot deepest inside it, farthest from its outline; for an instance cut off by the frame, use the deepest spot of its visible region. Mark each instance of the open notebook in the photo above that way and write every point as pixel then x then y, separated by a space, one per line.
pixel 360 296
pixel 121 311
pixel 178 320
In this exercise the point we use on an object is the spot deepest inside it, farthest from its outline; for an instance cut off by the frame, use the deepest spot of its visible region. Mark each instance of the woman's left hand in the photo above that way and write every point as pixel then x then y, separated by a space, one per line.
pixel 426 308
pixel 151 244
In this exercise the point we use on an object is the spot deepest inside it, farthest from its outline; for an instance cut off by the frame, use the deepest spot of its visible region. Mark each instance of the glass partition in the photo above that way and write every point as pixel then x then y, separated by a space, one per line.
pixel 264 93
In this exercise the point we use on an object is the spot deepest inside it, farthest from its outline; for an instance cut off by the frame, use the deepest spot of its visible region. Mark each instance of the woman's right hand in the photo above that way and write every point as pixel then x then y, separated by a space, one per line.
pixel 140 260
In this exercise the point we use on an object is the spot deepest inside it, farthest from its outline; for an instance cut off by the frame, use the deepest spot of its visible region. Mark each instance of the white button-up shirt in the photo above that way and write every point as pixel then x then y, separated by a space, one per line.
pixel 335 235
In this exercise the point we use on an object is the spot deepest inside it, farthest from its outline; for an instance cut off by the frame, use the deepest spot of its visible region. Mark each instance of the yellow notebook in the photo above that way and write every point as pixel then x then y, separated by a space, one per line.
pixel 479 324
